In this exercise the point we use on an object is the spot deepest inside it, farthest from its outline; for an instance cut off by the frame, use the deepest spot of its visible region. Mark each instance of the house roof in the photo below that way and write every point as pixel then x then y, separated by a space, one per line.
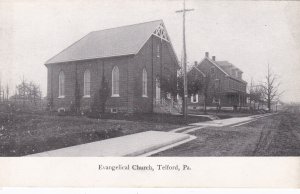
pixel 215 64
pixel 224 66
pixel 119 41
pixel 203 74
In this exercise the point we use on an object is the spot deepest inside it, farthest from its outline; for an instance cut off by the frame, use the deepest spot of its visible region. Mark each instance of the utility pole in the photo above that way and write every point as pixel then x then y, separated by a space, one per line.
pixel 184 107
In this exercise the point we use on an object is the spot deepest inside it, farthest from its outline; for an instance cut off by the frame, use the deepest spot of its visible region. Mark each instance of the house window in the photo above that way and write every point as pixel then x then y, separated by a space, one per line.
pixel 144 83
pixel 212 70
pixel 114 110
pixel 87 83
pixel 194 98
pixel 115 82
pixel 61 85
pixel 169 95
pixel 217 83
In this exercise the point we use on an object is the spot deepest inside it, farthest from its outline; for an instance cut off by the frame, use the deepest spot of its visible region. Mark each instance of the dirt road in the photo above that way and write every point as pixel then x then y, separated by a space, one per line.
pixel 276 135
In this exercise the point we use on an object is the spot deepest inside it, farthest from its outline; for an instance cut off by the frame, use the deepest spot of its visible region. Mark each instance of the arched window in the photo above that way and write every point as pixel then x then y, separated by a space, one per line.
pixel 87 83
pixel 115 82
pixel 144 83
pixel 61 84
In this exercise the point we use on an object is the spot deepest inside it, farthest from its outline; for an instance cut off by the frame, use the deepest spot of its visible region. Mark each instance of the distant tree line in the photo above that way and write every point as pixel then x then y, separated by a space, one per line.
pixel 265 93
pixel 27 95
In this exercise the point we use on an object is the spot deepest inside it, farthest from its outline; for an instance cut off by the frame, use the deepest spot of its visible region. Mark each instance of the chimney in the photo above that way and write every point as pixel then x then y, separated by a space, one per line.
pixel 207 54
pixel 214 58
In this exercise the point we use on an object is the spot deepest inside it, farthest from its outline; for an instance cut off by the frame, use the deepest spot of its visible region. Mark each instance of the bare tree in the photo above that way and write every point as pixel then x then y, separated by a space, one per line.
pixel 28 93
pixel 0 88
pixel 7 92
pixel 251 96
pixel 258 95
pixel 255 95
pixel 35 94
pixel 270 88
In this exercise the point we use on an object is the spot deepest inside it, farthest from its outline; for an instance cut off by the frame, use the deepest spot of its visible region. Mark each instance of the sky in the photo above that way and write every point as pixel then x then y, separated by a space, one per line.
pixel 249 34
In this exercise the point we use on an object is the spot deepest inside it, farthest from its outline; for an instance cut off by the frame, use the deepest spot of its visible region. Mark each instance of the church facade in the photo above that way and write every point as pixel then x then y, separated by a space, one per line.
pixel 133 59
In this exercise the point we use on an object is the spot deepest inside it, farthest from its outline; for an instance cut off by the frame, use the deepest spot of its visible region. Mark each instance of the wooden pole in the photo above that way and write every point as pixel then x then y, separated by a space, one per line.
pixel 184 107
pixel 184 67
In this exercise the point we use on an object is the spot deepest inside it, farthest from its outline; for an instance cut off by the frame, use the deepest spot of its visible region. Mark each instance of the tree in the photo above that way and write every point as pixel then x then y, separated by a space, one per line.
pixel 28 93
pixel 168 85
pixel 194 85
pixel 205 90
pixel 23 89
pixel 270 88
pixel 75 107
pixel 255 95
pixel 251 95
pixel 50 102
pixel 101 96
pixel 0 88
pixel 7 92
pixel 77 95
pixel 104 94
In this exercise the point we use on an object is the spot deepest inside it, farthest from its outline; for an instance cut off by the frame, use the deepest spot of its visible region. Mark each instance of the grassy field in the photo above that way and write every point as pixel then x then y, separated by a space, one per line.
pixel 28 133
pixel 152 117
pixel 277 135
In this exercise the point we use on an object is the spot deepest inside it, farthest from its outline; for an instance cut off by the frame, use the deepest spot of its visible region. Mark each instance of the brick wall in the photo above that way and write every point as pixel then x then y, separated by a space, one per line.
pixel 156 58
pixel 226 84
pixel 130 72
pixel 97 68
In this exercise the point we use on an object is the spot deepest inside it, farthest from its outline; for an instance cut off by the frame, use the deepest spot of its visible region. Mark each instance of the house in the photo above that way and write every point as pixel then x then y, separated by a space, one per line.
pixel 133 59
pixel 226 88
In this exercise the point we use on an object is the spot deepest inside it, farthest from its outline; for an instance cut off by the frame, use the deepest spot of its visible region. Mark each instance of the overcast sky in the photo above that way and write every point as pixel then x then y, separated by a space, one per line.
pixel 249 34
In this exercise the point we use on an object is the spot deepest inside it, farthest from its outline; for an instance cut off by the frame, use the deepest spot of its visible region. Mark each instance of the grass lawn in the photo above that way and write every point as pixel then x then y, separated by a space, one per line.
pixel 28 133
pixel 222 114
pixel 276 135
pixel 152 117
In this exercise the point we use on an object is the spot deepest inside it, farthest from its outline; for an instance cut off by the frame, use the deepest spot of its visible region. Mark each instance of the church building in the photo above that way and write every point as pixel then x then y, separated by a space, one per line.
pixel 133 59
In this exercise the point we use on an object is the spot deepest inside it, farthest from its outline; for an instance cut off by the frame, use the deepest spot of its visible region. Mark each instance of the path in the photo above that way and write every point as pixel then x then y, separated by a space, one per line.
pixel 144 143
pixel 130 145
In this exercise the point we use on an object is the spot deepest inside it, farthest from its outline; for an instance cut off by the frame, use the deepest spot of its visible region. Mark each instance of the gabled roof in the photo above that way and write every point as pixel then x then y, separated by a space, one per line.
pixel 215 64
pixel 203 74
pixel 119 41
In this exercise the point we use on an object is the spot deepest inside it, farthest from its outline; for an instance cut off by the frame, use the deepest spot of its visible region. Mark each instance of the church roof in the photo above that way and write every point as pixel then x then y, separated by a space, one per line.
pixel 119 41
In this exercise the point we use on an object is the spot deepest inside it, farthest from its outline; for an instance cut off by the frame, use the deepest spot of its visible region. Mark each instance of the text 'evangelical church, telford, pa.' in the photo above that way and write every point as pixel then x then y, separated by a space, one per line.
pixel 140 67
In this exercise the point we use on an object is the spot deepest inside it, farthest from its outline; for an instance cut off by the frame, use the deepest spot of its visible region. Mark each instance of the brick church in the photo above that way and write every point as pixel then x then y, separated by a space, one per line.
pixel 133 60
